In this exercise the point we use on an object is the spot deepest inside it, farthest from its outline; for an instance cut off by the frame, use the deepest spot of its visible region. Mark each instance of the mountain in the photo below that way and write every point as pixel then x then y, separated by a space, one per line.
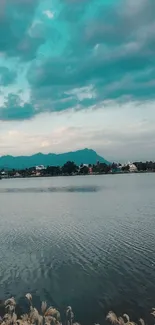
pixel 85 156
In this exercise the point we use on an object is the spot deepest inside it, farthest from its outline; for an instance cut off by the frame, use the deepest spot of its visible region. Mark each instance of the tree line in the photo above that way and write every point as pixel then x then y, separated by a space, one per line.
pixel 70 168
pixel 145 166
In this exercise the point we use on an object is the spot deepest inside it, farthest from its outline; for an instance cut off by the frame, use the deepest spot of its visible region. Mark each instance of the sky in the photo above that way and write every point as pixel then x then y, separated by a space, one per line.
pixel 78 74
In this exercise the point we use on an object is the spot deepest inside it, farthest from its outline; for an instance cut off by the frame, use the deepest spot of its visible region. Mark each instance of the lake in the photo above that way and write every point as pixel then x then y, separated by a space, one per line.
pixel 87 241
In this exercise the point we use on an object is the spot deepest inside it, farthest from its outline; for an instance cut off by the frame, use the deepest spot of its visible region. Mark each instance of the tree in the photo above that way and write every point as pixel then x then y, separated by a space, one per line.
pixel 125 168
pixel 53 170
pixel 84 170
pixel 141 166
pixel 69 168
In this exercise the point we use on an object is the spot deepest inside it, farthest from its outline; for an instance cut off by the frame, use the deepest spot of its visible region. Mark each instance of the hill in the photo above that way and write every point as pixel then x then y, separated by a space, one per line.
pixel 85 156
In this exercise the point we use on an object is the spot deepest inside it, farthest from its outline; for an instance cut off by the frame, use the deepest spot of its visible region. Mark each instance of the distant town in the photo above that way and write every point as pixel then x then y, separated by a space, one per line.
pixel 71 169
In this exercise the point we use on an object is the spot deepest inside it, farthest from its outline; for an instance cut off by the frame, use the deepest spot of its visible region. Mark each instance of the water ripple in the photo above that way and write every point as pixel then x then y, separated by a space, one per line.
pixel 92 248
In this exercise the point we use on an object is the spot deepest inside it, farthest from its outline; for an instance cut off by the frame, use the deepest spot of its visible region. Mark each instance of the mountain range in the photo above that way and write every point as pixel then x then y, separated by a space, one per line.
pixel 85 156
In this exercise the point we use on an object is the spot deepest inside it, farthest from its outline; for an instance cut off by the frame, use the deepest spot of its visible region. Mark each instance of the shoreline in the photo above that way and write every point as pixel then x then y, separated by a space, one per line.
pixel 79 175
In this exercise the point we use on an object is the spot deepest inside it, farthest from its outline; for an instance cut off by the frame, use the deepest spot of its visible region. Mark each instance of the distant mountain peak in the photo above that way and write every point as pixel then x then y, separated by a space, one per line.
pixel 85 156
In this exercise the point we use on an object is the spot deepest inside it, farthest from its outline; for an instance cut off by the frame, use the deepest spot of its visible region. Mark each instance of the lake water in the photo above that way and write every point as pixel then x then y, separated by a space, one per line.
pixel 88 242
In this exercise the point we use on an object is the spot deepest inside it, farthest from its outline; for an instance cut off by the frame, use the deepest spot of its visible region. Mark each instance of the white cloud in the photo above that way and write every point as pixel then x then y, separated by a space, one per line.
pixel 83 92
pixel 33 28
pixel 45 144
pixel 116 131
pixel 13 133
pixel 49 14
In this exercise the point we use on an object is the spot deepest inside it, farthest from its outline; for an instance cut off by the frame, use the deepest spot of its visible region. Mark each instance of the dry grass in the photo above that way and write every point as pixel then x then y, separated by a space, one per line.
pixel 112 318
pixel 47 315
pixel 51 316
pixel 125 319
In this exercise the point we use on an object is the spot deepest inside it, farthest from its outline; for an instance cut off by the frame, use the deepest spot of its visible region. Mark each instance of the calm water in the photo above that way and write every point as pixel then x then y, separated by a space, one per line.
pixel 84 241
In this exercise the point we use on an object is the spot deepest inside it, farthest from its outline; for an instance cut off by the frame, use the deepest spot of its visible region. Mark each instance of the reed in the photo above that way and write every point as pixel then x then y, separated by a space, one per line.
pixel 51 316
pixel 124 320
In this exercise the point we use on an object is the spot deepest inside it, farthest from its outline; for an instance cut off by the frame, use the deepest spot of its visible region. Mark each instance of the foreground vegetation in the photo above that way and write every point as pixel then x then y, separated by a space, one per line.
pixel 51 316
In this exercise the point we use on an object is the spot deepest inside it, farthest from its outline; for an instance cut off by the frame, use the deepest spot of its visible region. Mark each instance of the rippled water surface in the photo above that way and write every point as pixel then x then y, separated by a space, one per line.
pixel 84 241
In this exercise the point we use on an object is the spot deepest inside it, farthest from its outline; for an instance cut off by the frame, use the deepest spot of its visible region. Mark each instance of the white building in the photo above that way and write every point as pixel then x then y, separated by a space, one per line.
pixel 132 168
pixel 40 167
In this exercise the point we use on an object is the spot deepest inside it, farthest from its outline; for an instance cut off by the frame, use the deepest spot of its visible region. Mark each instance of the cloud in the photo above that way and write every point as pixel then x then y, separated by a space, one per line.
pixel 114 45
pixel 105 46
pixel 49 14
pixel 7 76
pixel 15 20
pixel 123 137
pixel 15 109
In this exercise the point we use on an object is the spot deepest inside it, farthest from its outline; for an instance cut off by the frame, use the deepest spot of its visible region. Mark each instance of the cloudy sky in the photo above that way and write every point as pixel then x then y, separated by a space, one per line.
pixel 77 74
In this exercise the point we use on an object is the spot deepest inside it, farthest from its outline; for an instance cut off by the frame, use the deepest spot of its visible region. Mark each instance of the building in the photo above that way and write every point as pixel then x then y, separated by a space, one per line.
pixel 132 168
pixel 129 167
pixel 40 167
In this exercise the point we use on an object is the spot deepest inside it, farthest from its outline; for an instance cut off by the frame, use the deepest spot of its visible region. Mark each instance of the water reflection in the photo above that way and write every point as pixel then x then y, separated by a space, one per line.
pixel 82 189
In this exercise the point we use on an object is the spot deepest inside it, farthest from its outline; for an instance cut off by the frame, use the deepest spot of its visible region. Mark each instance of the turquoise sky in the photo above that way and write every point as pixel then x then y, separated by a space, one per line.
pixel 78 73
